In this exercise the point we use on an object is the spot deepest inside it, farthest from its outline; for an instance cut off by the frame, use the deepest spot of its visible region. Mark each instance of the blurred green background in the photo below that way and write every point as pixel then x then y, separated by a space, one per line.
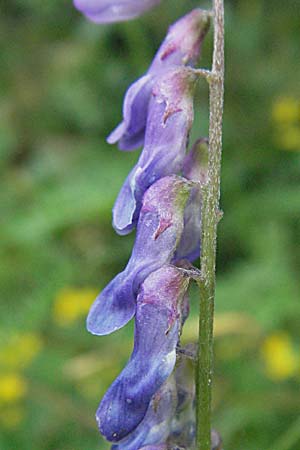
pixel 62 82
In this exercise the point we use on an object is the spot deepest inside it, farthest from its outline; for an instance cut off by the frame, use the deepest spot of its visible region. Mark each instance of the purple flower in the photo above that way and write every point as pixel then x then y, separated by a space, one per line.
pixel 181 47
pixel 156 425
pixel 194 168
pixel 158 232
pixel 107 11
pixel 157 329
pixel 170 118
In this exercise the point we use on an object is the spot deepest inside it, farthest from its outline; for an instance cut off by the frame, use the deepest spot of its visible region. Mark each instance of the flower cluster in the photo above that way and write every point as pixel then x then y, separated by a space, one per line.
pixel 150 405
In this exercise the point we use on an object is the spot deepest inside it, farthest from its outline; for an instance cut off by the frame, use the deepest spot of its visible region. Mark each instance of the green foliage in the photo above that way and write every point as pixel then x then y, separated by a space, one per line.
pixel 62 83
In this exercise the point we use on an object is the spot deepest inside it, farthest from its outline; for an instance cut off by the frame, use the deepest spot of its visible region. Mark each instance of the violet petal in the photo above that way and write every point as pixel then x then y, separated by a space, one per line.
pixel 130 132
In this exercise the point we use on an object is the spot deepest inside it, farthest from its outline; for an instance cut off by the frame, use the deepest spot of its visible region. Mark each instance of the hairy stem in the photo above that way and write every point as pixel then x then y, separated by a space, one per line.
pixel 210 219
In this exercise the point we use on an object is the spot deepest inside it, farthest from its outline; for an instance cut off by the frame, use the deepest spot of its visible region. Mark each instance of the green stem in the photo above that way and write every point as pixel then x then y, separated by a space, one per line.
pixel 210 219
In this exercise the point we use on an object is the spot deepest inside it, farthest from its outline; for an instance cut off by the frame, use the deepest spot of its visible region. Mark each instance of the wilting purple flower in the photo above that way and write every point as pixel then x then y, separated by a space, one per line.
pixel 183 431
pixel 195 165
pixel 183 423
pixel 158 232
pixel 156 425
pixel 157 329
pixel 216 440
pixel 107 11
pixel 156 447
pixel 194 168
pixel 216 444
pixel 181 47
pixel 169 122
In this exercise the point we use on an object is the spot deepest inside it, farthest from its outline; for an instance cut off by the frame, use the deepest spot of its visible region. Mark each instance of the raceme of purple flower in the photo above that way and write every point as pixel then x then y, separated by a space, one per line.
pixel 107 11
pixel 156 425
pixel 194 168
pixel 159 230
pixel 181 47
pixel 147 407
pixel 157 329
pixel 170 118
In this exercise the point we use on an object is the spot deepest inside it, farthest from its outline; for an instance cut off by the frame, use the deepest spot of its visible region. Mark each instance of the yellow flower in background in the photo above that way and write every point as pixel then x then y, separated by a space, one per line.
pixel 286 110
pixel 72 303
pixel 289 138
pixel 19 350
pixel 286 117
pixel 280 358
pixel 13 387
